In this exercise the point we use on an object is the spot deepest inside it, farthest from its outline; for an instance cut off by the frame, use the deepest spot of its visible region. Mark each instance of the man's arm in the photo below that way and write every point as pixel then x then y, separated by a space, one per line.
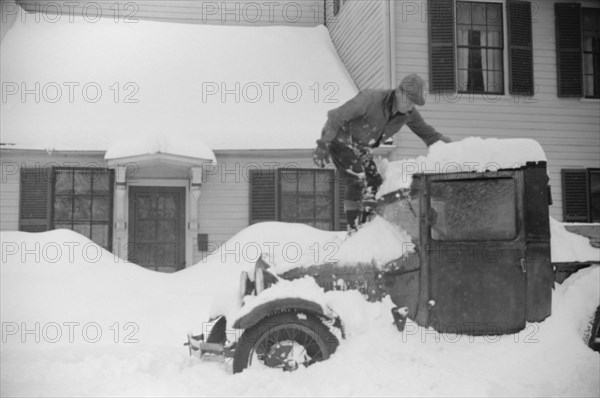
pixel 427 133
pixel 337 118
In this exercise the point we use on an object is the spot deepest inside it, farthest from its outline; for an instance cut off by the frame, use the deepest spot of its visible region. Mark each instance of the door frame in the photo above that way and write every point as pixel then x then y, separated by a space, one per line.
pixel 164 185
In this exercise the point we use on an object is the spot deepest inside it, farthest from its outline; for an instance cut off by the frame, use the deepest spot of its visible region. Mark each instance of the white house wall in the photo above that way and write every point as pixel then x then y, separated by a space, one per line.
pixel 225 200
pixel 567 128
pixel 236 12
pixel 358 33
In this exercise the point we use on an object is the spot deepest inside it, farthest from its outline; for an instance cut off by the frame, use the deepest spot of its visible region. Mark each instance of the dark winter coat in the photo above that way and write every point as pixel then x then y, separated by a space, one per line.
pixel 371 118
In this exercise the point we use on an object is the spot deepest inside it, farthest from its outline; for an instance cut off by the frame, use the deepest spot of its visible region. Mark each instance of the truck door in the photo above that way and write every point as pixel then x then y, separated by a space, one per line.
pixel 474 249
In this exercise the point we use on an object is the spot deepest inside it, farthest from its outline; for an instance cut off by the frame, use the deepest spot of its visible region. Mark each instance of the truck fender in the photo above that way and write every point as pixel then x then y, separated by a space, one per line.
pixel 282 305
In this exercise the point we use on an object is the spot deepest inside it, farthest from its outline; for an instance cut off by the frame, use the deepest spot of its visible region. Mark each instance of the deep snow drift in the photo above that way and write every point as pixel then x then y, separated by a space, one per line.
pixel 77 321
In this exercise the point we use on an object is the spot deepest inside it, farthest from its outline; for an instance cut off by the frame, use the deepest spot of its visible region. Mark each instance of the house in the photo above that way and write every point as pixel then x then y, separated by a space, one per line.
pixel 203 129
pixel 496 68
pixel 159 140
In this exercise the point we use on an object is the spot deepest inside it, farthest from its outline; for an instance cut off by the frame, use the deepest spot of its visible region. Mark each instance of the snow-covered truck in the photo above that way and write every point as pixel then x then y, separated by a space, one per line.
pixel 480 265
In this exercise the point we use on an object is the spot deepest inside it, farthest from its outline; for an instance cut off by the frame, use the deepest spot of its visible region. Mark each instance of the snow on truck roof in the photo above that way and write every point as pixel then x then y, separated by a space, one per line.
pixel 77 85
pixel 469 154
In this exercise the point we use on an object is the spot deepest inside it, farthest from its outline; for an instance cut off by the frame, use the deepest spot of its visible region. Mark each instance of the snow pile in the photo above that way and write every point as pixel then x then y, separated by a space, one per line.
pixel 568 247
pixel 76 85
pixel 58 282
pixel 378 242
pixel 469 154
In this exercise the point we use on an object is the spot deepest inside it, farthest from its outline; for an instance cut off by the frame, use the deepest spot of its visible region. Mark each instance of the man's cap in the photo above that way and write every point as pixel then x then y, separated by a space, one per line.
pixel 414 87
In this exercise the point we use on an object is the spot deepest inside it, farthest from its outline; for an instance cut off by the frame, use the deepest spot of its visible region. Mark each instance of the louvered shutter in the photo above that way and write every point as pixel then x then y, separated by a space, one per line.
pixel 34 200
pixel 263 200
pixel 340 187
pixel 520 49
pixel 568 49
pixel 442 76
pixel 575 196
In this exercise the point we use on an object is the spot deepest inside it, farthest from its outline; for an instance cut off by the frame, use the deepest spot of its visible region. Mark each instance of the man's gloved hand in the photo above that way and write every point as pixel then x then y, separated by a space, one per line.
pixel 445 139
pixel 321 154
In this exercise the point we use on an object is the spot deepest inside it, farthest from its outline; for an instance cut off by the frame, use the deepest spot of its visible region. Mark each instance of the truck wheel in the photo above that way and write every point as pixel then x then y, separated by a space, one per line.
pixel 592 335
pixel 284 341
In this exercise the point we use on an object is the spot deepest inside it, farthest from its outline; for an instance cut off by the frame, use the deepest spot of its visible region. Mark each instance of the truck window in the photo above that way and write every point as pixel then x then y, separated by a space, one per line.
pixel 473 210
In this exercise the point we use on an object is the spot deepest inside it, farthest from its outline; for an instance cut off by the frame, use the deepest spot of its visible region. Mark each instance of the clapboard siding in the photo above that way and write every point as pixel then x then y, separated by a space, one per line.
pixel 358 35
pixel 225 201
pixel 568 129
pixel 232 12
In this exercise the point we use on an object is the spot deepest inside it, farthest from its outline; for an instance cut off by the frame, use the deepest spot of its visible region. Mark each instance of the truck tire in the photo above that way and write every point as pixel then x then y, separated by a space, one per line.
pixel 285 341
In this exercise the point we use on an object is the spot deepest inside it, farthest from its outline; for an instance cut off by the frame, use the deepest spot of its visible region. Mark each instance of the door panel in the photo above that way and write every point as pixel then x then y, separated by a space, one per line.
pixel 157 227
pixel 475 252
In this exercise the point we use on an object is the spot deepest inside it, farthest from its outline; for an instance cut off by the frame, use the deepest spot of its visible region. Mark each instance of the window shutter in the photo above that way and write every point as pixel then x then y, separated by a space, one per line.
pixel 340 187
pixel 520 47
pixel 263 200
pixel 568 49
pixel 442 76
pixel 34 200
pixel 575 195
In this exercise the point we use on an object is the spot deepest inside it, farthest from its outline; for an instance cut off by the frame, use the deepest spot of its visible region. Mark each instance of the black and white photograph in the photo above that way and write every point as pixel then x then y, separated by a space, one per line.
pixel 300 198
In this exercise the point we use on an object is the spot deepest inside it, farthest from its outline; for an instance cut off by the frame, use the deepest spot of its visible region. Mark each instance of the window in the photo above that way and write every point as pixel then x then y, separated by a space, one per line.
pixel 306 196
pixel 479 43
pixel 473 210
pixel 309 196
pixel 76 199
pixel 82 202
pixel 466 47
pixel 578 49
pixel 591 52
pixel 581 195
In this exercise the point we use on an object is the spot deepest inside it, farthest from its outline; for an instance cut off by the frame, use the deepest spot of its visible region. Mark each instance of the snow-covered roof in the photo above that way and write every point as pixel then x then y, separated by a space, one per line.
pixel 78 85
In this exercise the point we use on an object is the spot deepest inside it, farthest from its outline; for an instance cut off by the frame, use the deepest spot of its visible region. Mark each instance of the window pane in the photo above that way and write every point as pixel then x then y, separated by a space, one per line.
pixel 100 209
pixel 326 226
pixel 101 182
pixel 288 207
pixel 463 58
pixel 83 229
pixel 478 13
pixel 463 35
pixel 167 230
pixel 306 208
pixel 494 36
pixel 289 181
pixel 588 64
pixel 473 210
pixel 589 20
pixel 589 86
pixel 82 208
pixel 324 207
pixel 63 182
pixel 463 13
pixel 63 208
pixel 100 235
pixel 306 182
pixel 145 230
pixel 494 15
pixel 83 182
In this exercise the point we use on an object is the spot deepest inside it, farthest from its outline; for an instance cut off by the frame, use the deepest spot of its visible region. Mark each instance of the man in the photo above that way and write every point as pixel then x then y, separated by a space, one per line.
pixel 363 123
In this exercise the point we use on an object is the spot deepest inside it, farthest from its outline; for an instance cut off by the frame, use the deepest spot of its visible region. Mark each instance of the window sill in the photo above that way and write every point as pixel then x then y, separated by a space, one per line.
pixel 592 100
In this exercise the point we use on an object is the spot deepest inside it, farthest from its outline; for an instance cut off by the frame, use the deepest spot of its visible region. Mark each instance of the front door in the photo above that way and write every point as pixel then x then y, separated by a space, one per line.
pixel 476 254
pixel 157 227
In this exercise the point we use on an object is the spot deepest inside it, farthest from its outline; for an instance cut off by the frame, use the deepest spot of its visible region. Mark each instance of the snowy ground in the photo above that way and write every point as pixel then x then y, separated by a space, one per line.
pixel 78 322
